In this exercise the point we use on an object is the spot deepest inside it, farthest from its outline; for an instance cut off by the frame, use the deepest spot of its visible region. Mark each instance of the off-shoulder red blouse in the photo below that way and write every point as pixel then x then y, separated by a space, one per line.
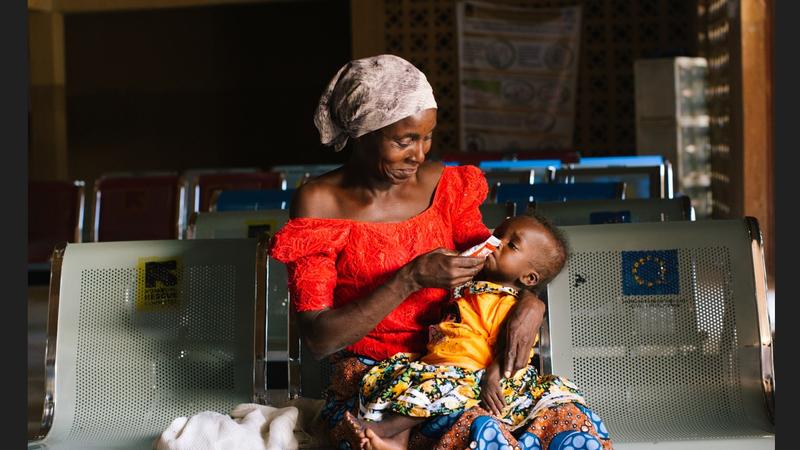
pixel 332 262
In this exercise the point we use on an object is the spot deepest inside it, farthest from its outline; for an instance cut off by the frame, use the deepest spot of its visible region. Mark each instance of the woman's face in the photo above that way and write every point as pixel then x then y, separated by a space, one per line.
pixel 403 145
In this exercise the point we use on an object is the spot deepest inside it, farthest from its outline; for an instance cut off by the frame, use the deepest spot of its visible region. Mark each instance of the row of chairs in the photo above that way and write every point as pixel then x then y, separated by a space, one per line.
pixel 643 181
pixel 664 326
pixel 128 206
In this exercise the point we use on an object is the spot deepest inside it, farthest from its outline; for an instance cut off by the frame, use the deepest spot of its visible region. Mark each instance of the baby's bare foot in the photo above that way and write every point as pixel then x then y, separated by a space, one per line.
pixel 355 431
pixel 397 442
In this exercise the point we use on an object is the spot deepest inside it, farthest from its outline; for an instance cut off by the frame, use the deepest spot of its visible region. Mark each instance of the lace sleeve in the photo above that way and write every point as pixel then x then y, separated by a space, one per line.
pixel 309 248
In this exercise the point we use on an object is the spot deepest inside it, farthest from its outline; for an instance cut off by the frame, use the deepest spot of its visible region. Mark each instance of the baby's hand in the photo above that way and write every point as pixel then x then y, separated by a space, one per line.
pixel 491 393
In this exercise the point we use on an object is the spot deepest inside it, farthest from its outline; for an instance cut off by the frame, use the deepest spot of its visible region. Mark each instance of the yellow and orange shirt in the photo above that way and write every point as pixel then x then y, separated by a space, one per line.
pixel 467 336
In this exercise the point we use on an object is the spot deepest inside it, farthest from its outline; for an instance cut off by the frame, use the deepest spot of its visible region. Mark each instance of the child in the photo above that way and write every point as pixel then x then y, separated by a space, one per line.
pixel 459 370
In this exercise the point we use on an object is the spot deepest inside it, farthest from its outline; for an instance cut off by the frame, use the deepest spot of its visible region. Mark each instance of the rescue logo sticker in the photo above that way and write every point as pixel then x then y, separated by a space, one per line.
pixel 256 229
pixel 159 283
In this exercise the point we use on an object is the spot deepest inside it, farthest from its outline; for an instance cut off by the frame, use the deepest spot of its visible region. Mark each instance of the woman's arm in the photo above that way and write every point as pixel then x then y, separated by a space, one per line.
pixel 521 327
pixel 330 330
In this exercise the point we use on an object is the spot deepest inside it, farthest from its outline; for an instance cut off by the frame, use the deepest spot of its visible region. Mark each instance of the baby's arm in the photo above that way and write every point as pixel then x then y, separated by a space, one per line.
pixel 491 394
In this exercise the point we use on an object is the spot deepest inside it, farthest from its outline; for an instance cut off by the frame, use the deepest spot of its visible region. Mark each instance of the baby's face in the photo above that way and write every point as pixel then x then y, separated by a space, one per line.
pixel 523 242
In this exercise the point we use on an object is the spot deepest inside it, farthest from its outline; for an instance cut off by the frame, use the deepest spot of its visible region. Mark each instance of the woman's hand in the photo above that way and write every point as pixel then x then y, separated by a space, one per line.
pixel 442 268
pixel 521 327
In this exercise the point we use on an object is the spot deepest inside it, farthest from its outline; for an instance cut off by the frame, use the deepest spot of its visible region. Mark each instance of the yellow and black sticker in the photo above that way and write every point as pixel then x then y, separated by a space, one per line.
pixel 256 228
pixel 159 283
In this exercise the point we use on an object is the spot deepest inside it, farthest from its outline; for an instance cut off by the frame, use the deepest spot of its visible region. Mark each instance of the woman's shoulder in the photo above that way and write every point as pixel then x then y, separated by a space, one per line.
pixel 460 176
pixel 317 197
pixel 463 183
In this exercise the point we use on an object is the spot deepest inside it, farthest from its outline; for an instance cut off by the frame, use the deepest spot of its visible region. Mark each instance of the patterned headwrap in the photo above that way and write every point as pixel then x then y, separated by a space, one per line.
pixel 368 94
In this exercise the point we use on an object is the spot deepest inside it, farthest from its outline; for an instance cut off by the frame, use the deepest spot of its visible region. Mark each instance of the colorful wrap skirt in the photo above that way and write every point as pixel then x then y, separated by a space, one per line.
pixel 403 385
pixel 556 417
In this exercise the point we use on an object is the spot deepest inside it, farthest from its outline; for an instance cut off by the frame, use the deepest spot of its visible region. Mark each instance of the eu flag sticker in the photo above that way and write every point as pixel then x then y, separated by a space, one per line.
pixel 650 272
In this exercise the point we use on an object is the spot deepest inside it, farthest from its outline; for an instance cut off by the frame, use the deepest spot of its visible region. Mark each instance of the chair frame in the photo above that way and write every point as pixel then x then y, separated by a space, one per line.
pixel 766 362
pixel 54 298
pixel 687 211
pixel 660 177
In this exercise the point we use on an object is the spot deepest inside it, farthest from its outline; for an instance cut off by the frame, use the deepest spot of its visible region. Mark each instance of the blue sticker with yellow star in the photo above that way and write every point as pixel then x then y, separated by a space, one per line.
pixel 650 272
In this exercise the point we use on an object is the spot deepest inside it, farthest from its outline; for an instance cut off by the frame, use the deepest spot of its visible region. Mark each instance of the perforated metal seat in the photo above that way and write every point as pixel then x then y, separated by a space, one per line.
pixel 664 326
pixel 586 212
pixel 493 214
pixel 259 224
pixel 140 333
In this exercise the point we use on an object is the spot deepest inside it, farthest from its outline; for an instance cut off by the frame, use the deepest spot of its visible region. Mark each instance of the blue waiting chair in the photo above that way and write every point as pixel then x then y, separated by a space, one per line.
pixel 592 212
pixel 642 181
pixel 540 170
pixel 252 200
pixel 620 161
pixel 523 194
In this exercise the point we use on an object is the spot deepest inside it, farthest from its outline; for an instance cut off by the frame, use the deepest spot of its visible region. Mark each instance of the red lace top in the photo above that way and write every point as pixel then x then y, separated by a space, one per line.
pixel 332 262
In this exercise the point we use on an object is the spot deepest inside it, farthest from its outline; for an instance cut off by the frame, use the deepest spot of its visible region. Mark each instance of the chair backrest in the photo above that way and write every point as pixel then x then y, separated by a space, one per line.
pixel 517 165
pixel 210 184
pixel 523 194
pixel 140 333
pixel 494 179
pixel 493 214
pixel 297 174
pixel 591 212
pixel 237 224
pixel 55 214
pixel 642 181
pixel 189 179
pixel 664 327
pixel 474 158
pixel 143 207
pixel 252 200
pixel 620 161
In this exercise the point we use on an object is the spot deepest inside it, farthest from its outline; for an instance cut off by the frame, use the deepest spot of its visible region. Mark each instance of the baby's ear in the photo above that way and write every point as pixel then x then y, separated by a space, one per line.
pixel 530 279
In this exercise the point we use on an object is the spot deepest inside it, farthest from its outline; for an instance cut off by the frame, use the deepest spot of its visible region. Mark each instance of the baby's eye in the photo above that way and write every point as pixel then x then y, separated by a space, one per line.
pixel 512 245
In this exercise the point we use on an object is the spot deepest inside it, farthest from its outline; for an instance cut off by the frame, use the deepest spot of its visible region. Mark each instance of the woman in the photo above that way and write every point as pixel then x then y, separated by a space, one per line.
pixel 371 251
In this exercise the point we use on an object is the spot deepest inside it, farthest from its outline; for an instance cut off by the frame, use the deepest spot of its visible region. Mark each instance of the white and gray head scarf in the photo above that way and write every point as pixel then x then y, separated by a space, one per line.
pixel 368 94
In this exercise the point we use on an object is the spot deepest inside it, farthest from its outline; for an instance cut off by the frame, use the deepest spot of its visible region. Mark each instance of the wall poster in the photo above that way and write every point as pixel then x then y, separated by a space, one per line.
pixel 518 71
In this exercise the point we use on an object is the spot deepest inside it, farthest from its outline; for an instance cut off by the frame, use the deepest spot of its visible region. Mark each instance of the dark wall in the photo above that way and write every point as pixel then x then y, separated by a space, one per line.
pixel 224 86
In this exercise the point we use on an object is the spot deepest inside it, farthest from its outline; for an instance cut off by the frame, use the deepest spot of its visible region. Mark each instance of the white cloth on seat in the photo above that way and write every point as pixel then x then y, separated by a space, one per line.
pixel 250 426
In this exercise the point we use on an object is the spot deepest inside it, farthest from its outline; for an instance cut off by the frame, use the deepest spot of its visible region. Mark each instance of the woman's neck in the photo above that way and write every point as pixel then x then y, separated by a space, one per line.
pixel 360 174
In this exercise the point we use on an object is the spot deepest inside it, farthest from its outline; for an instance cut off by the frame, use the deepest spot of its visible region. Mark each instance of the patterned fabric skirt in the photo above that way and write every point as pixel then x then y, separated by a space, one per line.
pixel 549 425
pixel 403 385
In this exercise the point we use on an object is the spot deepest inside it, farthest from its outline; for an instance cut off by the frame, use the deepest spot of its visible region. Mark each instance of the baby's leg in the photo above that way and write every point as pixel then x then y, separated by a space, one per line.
pixel 390 433
pixel 393 424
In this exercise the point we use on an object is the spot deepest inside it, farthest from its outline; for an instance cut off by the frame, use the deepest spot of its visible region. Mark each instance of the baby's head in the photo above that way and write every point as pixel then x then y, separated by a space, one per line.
pixel 532 252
